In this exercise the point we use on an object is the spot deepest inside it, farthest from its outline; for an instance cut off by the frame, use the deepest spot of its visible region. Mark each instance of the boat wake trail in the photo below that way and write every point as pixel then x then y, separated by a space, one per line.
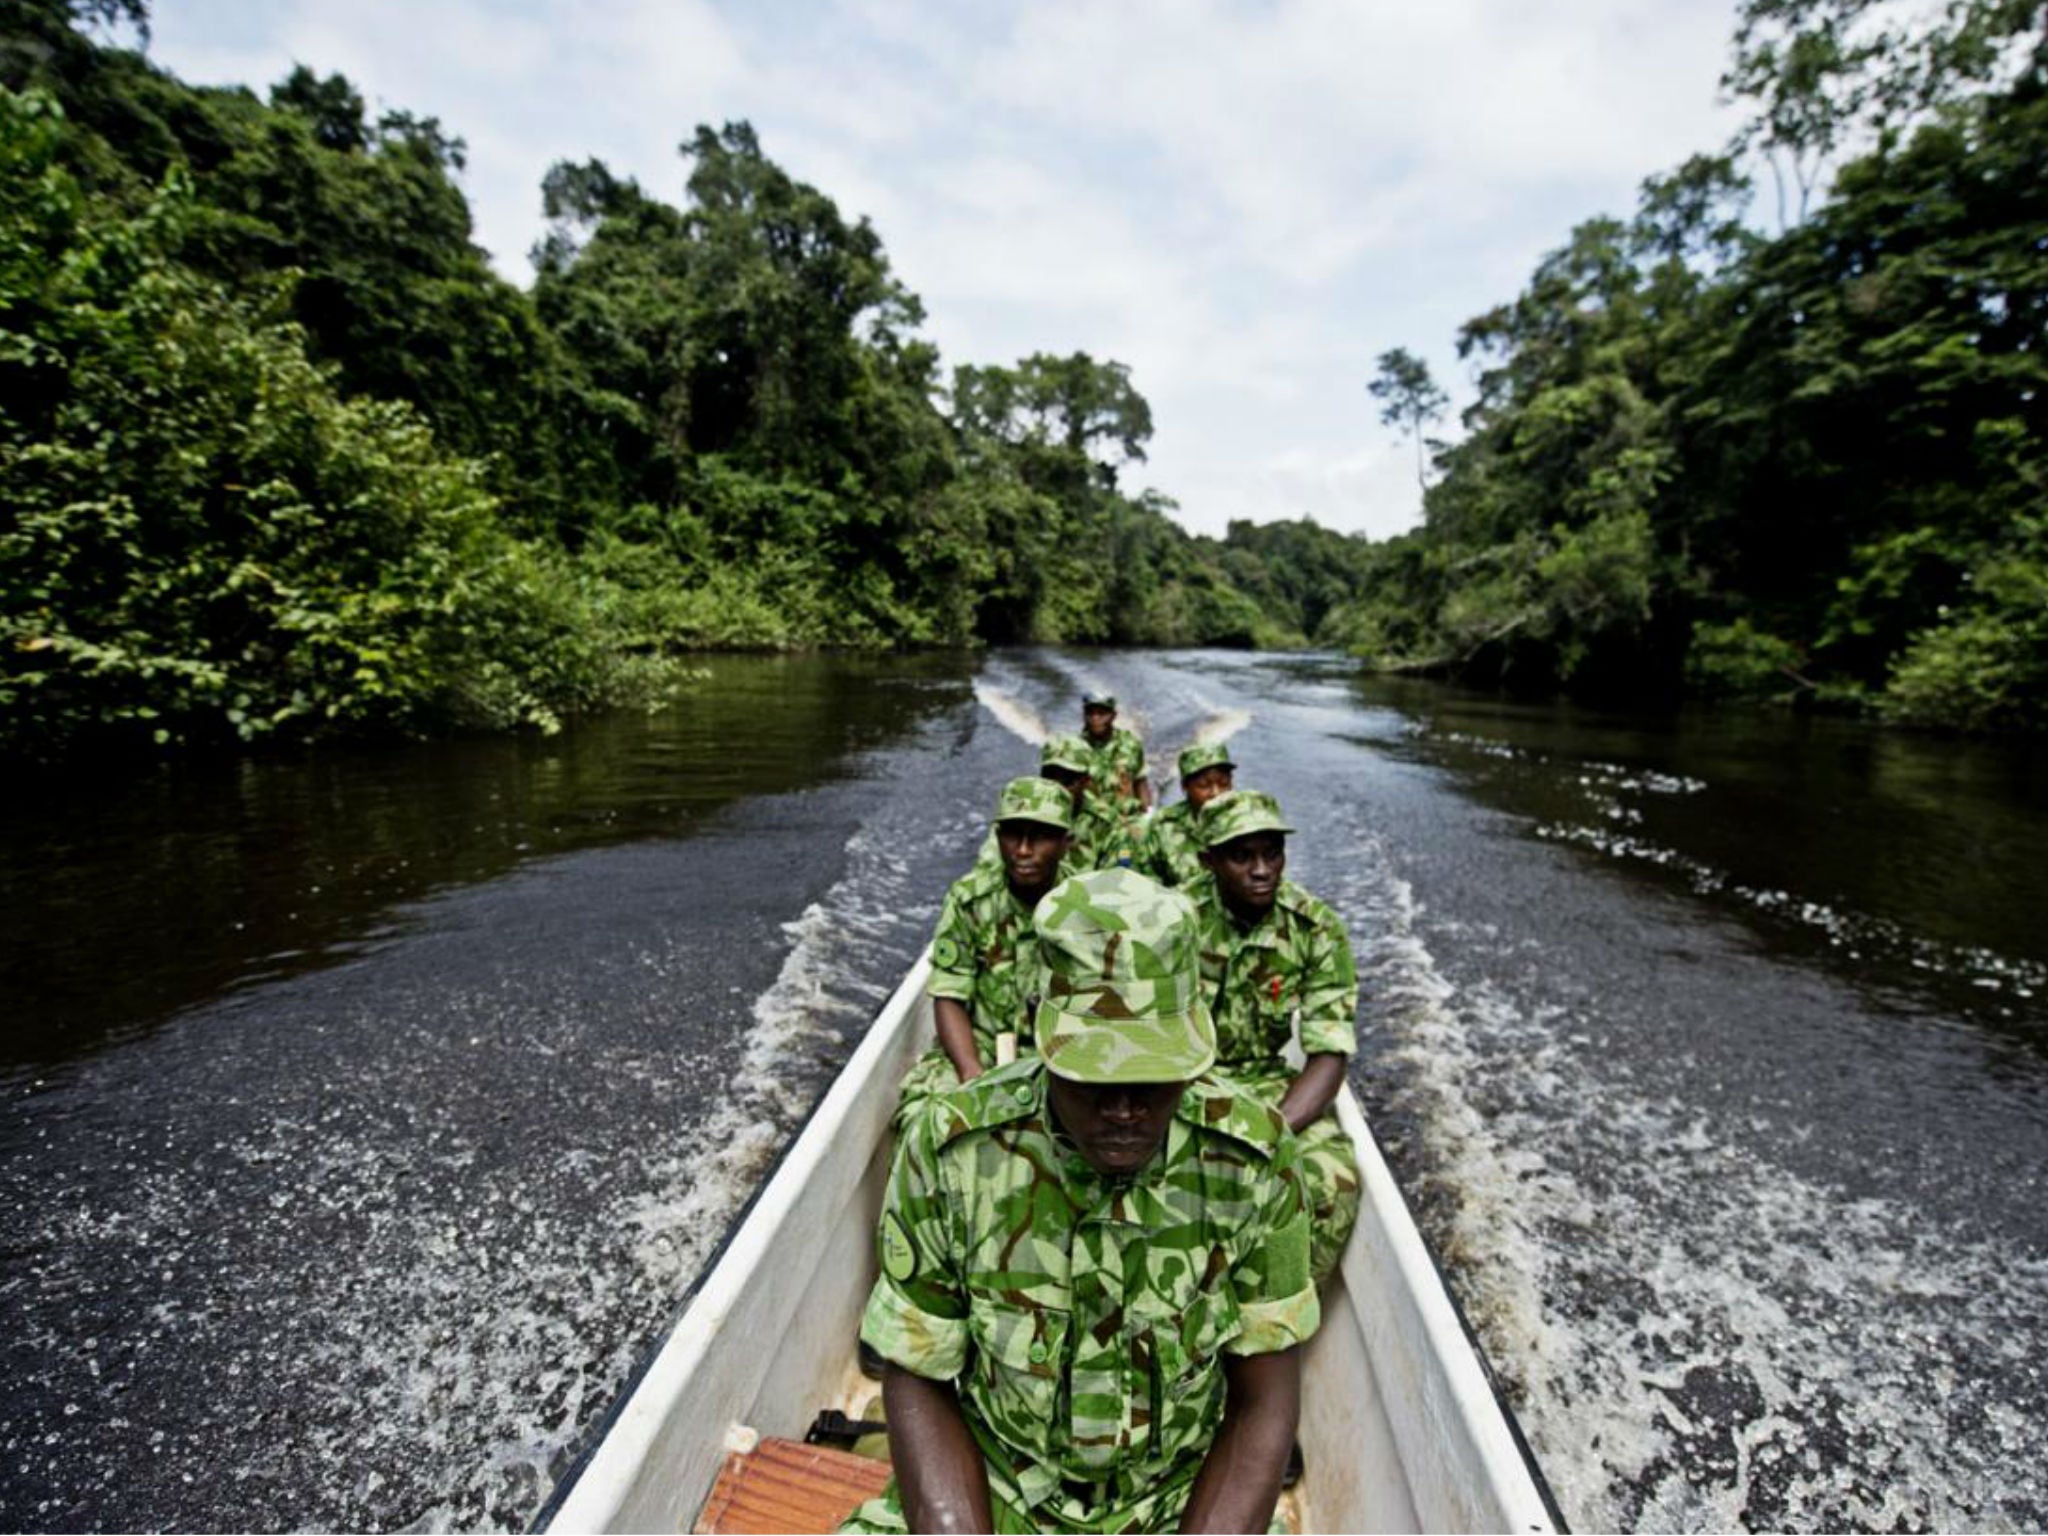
pixel 1019 718
pixel 1696 1333
pixel 1220 726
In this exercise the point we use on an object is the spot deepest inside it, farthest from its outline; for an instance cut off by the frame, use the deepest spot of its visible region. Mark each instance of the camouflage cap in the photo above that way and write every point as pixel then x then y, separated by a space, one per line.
pixel 1095 698
pixel 1203 754
pixel 1120 959
pixel 1239 813
pixel 1035 799
pixel 1068 751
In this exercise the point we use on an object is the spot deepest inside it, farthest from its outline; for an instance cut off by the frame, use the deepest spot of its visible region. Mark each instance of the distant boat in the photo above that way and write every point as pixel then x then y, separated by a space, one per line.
pixel 1400 1427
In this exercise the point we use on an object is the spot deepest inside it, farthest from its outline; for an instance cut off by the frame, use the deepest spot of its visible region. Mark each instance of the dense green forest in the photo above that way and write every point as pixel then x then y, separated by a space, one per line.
pixel 283 457
pixel 1811 464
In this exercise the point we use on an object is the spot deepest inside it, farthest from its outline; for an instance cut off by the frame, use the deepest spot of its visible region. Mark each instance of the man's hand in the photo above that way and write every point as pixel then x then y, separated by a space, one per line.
pixel 1240 1478
pixel 939 1471
pixel 1314 1091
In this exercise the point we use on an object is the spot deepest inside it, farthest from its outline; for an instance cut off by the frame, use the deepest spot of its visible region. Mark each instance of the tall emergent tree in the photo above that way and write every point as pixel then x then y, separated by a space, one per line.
pixel 1409 398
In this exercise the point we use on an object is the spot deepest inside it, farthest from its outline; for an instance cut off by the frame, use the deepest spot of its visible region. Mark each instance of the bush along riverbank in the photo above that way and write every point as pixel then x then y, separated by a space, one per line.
pixel 1811 465
pixel 283 458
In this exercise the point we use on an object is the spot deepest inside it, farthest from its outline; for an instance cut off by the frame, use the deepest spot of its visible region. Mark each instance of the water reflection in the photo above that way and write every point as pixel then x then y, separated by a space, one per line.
pixel 124 902
pixel 1913 860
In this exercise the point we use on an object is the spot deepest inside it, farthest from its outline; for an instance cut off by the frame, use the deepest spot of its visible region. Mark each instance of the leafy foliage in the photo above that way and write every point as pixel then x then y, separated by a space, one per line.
pixel 1806 466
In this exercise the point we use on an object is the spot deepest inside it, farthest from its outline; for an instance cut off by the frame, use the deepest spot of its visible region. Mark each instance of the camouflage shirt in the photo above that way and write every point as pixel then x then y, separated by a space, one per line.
pixel 1084 1318
pixel 985 957
pixel 1294 962
pixel 1119 767
pixel 1173 854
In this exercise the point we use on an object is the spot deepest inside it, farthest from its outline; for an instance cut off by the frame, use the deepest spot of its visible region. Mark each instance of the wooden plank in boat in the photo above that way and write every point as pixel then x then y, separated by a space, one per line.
pixel 785 1485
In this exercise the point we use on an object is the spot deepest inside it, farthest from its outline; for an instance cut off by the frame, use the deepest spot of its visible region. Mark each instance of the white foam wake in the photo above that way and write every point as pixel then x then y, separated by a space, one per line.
pixel 1012 713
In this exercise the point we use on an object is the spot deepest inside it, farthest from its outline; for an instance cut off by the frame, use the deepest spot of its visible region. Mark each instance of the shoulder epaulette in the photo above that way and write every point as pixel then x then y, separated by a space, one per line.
pixel 1216 1106
pixel 998 1096
pixel 981 879
pixel 1295 899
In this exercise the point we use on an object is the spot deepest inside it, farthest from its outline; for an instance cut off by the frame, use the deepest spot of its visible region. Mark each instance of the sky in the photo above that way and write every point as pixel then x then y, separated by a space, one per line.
pixel 1245 201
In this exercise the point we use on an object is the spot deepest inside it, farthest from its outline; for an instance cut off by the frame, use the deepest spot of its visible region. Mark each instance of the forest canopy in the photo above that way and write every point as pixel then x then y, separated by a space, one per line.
pixel 1803 464
pixel 285 458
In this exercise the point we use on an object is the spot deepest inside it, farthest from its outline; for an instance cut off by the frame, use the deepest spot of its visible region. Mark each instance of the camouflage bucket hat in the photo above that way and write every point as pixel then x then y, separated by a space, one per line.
pixel 1240 813
pixel 1068 751
pixel 1119 957
pixel 1210 754
pixel 1095 698
pixel 1035 799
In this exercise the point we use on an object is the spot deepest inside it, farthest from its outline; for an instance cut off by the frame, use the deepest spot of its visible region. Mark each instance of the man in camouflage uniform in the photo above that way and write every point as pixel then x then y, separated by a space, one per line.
pixel 1275 959
pixel 983 956
pixel 1094 1263
pixel 1172 852
pixel 1118 765
pixel 1100 834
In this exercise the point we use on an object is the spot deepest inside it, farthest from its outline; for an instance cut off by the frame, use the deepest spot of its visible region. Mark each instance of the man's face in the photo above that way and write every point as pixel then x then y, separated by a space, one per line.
pixel 1031 851
pixel 1248 869
pixel 1118 1127
pixel 1097 719
pixel 1206 785
pixel 1074 783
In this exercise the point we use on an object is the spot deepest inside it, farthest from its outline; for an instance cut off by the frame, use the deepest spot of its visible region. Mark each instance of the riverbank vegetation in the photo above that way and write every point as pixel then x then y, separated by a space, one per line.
pixel 284 457
pixel 1809 464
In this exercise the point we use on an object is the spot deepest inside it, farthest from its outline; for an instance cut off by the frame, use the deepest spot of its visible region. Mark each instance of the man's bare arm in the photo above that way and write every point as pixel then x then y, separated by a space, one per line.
pixel 1314 1090
pixel 1240 1478
pixel 956 1036
pixel 939 1471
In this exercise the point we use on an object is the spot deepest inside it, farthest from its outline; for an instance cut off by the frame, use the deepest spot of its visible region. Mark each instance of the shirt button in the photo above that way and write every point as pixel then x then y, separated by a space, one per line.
pixel 1038 1352
pixel 1021 1093
pixel 1077 1167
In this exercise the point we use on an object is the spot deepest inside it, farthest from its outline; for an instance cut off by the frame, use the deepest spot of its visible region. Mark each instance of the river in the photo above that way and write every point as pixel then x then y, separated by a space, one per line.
pixel 372 1111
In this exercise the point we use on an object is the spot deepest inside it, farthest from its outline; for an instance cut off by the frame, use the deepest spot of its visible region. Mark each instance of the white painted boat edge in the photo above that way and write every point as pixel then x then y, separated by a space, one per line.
pixel 632 1451
pixel 1456 1425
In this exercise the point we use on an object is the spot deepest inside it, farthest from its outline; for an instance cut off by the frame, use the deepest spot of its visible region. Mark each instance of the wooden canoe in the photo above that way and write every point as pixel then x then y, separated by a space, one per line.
pixel 1400 1431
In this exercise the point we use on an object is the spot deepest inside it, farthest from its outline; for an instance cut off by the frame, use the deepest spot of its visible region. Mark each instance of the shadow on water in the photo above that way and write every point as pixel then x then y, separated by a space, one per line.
pixel 127 901
pixel 1910 863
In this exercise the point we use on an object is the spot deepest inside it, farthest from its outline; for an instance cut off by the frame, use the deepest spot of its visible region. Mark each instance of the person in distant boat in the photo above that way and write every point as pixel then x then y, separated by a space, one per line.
pixel 1118 765
pixel 983 959
pixel 1276 960
pixel 1094 1263
pixel 1172 852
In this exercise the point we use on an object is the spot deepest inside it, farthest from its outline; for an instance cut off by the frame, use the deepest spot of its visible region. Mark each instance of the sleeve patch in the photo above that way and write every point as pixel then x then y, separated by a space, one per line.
pixel 945 954
pixel 899 1259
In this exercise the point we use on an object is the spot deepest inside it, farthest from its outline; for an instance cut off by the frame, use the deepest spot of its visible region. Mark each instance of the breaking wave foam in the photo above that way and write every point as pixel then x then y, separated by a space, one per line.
pixel 1012 713
pixel 1695 1336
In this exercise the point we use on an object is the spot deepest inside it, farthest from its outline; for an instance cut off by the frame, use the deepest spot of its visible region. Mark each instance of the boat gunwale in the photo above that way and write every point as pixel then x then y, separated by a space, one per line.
pixel 813 1140
pixel 872 1042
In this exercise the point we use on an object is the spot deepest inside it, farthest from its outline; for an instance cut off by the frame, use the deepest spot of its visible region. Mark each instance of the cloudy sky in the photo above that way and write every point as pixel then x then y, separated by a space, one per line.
pixel 1247 201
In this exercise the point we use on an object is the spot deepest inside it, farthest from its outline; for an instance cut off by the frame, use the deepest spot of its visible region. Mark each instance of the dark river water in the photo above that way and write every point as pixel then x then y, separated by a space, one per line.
pixel 369 1115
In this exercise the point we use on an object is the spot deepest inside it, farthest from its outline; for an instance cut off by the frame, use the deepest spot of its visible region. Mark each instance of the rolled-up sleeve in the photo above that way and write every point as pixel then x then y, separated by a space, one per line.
pixel 1329 991
pixel 1276 1295
pixel 953 955
pixel 917 1312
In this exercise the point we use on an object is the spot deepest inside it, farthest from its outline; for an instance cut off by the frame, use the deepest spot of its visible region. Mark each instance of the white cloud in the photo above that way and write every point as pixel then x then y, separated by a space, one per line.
pixel 1244 202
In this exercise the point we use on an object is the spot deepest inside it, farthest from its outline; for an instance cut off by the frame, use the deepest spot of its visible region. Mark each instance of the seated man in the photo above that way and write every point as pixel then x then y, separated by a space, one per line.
pixel 1172 853
pixel 982 950
pixel 1099 838
pixel 1274 959
pixel 1095 1262
pixel 1119 757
